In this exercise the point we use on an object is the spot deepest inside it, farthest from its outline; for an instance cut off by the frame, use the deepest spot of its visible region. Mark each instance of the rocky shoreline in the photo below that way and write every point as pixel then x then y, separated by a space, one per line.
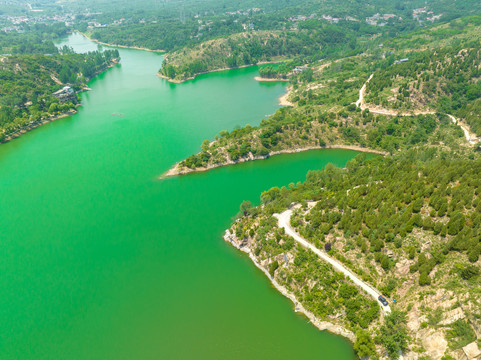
pixel 321 325
pixel 180 81
pixel 433 341
pixel 177 170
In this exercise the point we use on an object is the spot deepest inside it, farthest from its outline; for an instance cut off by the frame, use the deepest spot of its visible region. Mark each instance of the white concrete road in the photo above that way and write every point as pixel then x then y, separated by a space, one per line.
pixel 284 220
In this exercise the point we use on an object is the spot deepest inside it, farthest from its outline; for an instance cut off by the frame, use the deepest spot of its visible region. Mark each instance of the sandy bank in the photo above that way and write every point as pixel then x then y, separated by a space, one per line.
pixel 120 46
pixel 321 325
pixel 283 100
pixel 173 81
pixel 262 79
pixel 176 170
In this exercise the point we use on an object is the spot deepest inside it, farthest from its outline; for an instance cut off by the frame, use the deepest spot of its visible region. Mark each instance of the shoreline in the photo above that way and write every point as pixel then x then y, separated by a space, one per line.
pixel 175 171
pixel 180 81
pixel 36 125
pixel 71 112
pixel 283 100
pixel 262 79
pixel 172 81
pixel 119 46
pixel 321 325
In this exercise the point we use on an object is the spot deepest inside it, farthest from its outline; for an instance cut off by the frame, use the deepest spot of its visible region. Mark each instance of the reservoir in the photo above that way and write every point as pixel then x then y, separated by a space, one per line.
pixel 100 259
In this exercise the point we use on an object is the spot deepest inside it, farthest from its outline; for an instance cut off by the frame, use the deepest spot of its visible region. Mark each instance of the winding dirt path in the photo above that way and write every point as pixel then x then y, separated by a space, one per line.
pixel 470 137
pixel 360 102
pixel 284 220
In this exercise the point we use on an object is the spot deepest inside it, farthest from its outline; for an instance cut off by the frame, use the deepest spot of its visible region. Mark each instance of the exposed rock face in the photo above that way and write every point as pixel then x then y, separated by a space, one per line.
pixel 472 351
pixel 435 345
pixel 452 316
pixel 402 267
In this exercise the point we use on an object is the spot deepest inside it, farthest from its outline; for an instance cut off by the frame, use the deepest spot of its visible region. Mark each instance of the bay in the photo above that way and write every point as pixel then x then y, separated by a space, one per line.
pixel 99 259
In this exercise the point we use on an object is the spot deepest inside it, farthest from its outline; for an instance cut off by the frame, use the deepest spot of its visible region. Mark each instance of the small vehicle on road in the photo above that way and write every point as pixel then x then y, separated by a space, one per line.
pixel 382 300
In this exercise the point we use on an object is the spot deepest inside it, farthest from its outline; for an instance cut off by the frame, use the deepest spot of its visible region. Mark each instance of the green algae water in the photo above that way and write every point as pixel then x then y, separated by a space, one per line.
pixel 102 260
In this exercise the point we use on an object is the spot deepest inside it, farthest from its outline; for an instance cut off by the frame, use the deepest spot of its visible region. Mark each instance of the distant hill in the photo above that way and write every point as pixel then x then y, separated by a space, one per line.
pixel 440 72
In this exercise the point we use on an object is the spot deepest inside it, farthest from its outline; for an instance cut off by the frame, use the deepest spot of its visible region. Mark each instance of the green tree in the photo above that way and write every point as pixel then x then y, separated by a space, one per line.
pixel 394 334
pixel 205 145
pixel 456 223
pixel 245 207
pixel 53 108
pixel 273 267
pixel 424 279
pixel 364 346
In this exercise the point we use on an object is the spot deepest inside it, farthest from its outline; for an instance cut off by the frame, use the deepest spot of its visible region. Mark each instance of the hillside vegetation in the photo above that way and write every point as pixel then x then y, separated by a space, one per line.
pixel 442 80
pixel 33 68
pixel 409 225
pixel 444 77
pixel 250 48
pixel 28 82
pixel 171 25
pixel 37 39
pixel 325 115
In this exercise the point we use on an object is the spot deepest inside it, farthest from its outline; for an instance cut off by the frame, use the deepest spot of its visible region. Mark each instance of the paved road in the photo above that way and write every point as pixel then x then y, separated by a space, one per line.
pixel 285 221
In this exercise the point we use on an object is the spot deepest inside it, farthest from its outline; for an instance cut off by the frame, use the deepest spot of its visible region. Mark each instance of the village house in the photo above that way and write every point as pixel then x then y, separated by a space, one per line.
pixel 401 61
pixel 65 94
pixel 299 69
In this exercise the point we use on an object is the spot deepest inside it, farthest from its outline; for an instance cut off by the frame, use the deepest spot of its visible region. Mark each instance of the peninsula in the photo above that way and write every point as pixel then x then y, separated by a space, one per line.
pixel 399 227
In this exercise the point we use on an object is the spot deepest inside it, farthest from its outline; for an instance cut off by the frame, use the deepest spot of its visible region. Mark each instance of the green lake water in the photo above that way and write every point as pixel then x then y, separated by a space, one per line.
pixel 99 259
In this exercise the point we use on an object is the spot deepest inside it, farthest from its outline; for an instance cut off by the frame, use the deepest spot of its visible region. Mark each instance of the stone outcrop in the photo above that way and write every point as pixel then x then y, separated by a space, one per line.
pixel 472 351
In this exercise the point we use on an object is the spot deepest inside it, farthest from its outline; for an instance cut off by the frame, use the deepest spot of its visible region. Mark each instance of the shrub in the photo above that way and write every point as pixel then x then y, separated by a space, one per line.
pixel 273 267
pixel 424 279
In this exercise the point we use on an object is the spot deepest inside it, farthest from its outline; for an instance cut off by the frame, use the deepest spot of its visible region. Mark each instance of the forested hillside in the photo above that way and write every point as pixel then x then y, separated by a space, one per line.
pixel 324 114
pixel 185 30
pixel 36 39
pixel 445 77
pixel 172 25
pixel 34 73
pixel 409 225
pixel 250 48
